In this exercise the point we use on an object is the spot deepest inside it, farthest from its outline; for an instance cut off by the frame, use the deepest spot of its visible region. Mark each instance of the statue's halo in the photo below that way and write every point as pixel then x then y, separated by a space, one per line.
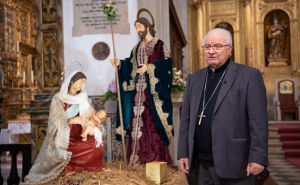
pixel 145 10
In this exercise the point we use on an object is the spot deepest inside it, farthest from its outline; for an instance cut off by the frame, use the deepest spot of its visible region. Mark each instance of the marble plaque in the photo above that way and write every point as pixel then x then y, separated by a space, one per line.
pixel 88 18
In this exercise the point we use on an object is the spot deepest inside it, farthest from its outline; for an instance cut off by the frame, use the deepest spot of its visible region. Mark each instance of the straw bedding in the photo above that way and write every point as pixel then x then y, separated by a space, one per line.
pixel 114 174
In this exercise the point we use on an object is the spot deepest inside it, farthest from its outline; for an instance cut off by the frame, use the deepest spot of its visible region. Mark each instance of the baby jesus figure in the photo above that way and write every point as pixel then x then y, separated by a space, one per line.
pixel 97 119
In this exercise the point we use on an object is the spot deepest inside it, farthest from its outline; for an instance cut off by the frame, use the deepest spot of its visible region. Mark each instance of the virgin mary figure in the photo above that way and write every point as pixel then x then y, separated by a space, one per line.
pixel 63 149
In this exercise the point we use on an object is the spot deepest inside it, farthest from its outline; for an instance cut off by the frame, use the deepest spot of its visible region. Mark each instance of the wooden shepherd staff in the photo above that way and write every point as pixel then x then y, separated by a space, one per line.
pixel 109 11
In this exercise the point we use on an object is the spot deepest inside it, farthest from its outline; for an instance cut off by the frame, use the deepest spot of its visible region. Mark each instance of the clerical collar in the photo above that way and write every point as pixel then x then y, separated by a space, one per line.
pixel 221 67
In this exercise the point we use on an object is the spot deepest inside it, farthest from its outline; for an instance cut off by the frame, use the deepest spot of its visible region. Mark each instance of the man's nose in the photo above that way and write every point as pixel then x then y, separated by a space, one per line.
pixel 211 50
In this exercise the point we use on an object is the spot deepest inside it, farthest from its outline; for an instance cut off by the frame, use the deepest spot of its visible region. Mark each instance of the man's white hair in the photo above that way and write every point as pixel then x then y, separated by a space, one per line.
pixel 219 31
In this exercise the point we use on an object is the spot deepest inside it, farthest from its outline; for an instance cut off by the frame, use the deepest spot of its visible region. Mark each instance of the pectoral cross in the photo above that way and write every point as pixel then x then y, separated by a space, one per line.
pixel 201 116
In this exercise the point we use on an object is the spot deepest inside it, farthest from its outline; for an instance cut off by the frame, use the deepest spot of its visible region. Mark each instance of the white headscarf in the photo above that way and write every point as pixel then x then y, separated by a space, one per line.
pixel 85 109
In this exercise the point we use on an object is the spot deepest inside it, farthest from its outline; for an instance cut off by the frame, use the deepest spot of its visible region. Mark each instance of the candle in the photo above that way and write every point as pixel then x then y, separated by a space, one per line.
pixel 24 76
pixel 295 66
pixel 18 46
pixel 32 77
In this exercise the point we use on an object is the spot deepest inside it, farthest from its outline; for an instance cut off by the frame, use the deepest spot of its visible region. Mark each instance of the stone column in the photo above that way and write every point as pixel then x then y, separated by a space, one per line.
pixel 196 32
pixel 200 34
pixel 111 110
pixel 177 103
pixel 192 14
pixel 248 33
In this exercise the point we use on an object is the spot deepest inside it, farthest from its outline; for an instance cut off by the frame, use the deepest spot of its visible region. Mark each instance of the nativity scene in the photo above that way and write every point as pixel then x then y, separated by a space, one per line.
pixel 103 91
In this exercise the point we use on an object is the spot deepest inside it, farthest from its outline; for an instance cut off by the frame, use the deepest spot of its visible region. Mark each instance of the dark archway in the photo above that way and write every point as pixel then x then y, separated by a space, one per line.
pixel 229 28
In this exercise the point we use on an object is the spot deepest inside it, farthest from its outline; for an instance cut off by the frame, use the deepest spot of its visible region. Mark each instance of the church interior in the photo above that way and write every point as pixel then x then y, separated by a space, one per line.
pixel 39 38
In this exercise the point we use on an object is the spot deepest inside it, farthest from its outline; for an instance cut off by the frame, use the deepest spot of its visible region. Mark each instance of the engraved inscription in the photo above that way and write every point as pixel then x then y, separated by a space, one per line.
pixel 88 17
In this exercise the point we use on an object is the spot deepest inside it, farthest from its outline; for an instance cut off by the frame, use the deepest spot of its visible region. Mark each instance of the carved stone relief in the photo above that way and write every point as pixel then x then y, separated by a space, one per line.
pixel 224 8
pixel 49 11
pixel 49 45
pixel 50 59
pixel 264 9
pixel 247 3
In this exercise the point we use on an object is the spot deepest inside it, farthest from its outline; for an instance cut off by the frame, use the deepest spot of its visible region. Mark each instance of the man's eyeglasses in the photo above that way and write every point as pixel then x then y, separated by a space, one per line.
pixel 216 47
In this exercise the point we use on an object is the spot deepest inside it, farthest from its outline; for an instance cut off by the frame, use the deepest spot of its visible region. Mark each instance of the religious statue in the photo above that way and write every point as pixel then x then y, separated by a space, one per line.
pixel 145 85
pixel 89 128
pixel 276 34
pixel 63 150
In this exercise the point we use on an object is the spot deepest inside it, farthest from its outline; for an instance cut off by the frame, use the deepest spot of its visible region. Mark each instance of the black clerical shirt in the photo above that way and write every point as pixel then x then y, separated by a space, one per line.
pixel 203 135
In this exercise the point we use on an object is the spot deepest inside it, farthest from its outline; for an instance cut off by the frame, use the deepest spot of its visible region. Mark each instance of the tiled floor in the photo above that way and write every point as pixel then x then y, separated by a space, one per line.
pixel 281 171
pixel 284 172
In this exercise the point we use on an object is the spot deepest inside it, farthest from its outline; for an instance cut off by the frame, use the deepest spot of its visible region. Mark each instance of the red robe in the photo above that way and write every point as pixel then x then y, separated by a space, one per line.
pixel 85 155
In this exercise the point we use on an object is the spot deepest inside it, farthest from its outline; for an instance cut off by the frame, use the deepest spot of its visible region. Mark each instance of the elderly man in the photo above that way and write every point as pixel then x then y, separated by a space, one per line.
pixel 223 132
pixel 145 85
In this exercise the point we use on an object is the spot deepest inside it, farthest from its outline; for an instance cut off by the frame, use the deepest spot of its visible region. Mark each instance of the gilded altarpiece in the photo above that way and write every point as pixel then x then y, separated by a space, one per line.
pixel 17 57
pixel 249 20
pixel 206 15
pixel 287 13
